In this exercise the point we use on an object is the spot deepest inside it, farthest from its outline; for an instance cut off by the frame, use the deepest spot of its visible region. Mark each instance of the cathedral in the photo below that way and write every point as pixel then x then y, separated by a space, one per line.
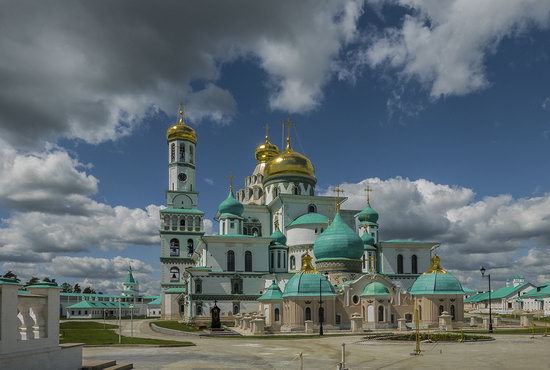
pixel 288 254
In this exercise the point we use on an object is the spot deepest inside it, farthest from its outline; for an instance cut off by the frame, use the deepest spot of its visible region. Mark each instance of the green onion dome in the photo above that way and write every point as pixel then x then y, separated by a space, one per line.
pixel 375 289
pixel 436 281
pixel 278 237
pixel 273 293
pixel 231 205
pixel 338 241
pixel 368 214
pixel 367 239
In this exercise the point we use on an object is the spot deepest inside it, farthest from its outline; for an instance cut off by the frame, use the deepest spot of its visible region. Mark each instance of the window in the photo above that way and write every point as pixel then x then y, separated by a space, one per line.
pixel 231 225
pixel 237 285
pixel 414 264
pixel 278 259
pixel 172 152
pixel 399 263
pixel 441 309
pixel 182 224
pixel 308 313
pixel 338 319
pixel 272 262
pixel 355 299
pixel 284 260
pixel 255 231
pixel 230 261
pixel 296 191
pixel 174 248
pixel 191 159
pixel 197 223
pixel 182 152
pixel 236 309
pixel 198 309
pixel 453 312
pixel 190 248
pixel 198 286
pixel 248 261
pixel 419 312
pixel 380 313
pixel 292 262
pixel 275 192
pixel 364 262
pixel 277 315
pixel 174 274
pixel 311 208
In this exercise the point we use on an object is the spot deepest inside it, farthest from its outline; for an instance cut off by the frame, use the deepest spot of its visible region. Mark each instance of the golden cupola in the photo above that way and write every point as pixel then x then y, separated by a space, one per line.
pixel 289 163
pixel 266 151
pixel 181 131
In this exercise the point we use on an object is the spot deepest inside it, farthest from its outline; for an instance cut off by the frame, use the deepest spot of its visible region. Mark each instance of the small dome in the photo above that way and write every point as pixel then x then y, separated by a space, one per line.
pixel 338 241
pixel 278 237
pixel 368 214
pixel 289 162
pixel 375 289
pixel 304 284
pixel 436 281
pixel 367 239
pixel 231 205
pixel 273 293
pixel 266 151
pixel 180 130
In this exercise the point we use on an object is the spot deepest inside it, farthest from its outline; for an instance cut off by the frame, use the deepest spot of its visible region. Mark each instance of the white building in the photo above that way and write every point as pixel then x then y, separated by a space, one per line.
pixel 265 229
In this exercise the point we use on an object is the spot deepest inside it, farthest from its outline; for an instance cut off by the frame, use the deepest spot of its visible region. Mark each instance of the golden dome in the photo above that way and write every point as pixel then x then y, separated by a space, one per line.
pixel 266 151
pixel 181 131
pixel 289 162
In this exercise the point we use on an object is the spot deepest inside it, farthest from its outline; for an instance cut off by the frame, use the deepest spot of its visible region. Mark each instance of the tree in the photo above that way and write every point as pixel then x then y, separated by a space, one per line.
pixel 66 288
pixel 77 289
pixel 33 280
pixel 46 280
pixel 10 275
pixel 88 290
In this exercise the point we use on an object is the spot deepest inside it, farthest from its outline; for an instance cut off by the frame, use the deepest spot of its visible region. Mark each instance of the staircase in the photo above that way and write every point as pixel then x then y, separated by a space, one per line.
pixel 104 365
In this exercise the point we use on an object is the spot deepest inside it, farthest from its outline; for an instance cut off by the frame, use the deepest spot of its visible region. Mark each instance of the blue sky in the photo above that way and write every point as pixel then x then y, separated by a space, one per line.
pixel 451 124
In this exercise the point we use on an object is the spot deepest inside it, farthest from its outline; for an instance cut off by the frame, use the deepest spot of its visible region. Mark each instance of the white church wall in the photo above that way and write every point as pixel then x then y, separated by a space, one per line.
pixel 299 236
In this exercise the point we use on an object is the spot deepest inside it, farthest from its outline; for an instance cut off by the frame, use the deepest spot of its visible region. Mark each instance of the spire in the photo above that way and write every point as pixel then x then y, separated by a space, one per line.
pixel 368 190
pixel 181 114
pixel 231 184
pixel 266 132
pixel 288 125
pixel 338 190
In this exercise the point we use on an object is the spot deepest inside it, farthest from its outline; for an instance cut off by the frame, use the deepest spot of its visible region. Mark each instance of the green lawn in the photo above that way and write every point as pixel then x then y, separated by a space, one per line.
pixel 524 331
pixel 174 325
pixel 92 333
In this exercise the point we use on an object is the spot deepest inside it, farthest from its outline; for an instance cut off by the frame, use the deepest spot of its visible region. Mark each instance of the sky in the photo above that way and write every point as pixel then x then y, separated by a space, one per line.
pixel 442 107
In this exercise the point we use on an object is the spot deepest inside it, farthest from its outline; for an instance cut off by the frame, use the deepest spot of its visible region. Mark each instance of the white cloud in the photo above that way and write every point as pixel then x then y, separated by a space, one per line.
pixel 444 44
pixel 546 104
pixel 508 235
pixel 93 70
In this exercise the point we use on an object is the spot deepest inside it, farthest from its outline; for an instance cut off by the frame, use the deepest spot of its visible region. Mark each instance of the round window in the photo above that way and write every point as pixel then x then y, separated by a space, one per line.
pixel 182 177
pixel 355 299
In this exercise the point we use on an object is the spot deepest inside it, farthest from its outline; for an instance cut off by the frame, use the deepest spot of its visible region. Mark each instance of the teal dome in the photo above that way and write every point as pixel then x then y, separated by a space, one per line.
pixel 368 214
pixel 338 241
pixel 375 289
pixel 231 205
pixel 305 284
pixel 311 219
pixel 273 293
pixel 367 239
pixel 278 237
pixel 436 281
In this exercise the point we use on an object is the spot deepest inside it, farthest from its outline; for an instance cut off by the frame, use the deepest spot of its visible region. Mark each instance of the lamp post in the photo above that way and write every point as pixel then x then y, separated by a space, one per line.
pixel 321 310
pixel 482 270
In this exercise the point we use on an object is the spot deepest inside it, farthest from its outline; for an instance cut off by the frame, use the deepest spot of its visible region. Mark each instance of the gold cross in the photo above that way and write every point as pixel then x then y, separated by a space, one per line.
pixel 338 190
pixel 181 113
pixel 368 190
pixel 231 182
pixel 266 130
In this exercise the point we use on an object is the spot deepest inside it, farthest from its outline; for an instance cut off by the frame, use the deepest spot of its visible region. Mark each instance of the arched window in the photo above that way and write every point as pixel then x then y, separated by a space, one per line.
pixel 174 248
pixel 190 247
pixel 172 152
pixel 277 315
pixel 191 159
pixel 174 274
pixel 182 152
pixel 197 223
pixel 364 261
pixel 182 223
pixel 248 261
pixel 166 222
pixel 441 309
pixel 275 192
pixel 453 311
pixel 230 261
pixel 236 309
pixel 278 259
pixel 198 286
pixel 296 190
pixel 308 313
pixel 312 208
pixel 198 309
pixel 292 262
pixel 399 263
pixel 380 313
pixel 414 264
pixel 255 231
pixel 272 258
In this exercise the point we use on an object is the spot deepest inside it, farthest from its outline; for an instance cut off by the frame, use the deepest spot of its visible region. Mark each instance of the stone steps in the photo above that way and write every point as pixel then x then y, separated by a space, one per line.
pixel 104 365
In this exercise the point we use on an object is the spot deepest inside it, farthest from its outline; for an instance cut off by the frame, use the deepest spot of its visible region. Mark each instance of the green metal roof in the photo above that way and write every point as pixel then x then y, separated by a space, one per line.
pixel 338 241
pixel 100 305
pixel 375 289
pixel 9 281
pixel 278 237
pixel 157 301
pixel 192 211
pixel 129 280
pixel 305 284
pixel 231 205
pixel 273 293
pixel 310 219
pixel 175 290
pixel 367 239
pixel 225 215
pixel 437 282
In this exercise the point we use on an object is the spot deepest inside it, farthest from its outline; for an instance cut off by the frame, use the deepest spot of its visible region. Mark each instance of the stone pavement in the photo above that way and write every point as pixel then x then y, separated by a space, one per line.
pixel 507 352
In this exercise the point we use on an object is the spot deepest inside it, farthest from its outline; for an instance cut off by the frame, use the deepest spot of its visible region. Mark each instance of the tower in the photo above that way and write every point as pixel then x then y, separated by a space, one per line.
pixel 181 220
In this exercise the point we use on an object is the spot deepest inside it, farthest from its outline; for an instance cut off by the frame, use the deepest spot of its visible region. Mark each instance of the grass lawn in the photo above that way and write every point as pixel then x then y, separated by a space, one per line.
pixel 524 331
pixel 174 325
pixel 92 333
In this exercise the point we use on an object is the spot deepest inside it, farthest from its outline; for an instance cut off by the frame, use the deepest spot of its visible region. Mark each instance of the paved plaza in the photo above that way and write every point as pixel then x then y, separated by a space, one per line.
pixel 506 352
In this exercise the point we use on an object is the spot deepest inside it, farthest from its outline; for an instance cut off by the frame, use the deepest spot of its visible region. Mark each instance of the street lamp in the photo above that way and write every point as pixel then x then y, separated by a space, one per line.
pixel 482 270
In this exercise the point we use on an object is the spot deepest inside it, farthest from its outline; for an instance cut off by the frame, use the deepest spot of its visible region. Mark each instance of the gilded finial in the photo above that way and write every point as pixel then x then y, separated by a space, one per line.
pixel 266 132
pixel 307 267
pixel 288 125
pixel 338 190
pixel 436 266
pixel 368 190
pixel 276 223
pixel 231 183
pixel 181 114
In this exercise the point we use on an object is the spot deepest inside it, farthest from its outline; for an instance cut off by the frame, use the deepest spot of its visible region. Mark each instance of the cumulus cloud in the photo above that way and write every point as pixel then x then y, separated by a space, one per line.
pixel 95 268
pixel 508 235
pixel 92 70
pixel 444 44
